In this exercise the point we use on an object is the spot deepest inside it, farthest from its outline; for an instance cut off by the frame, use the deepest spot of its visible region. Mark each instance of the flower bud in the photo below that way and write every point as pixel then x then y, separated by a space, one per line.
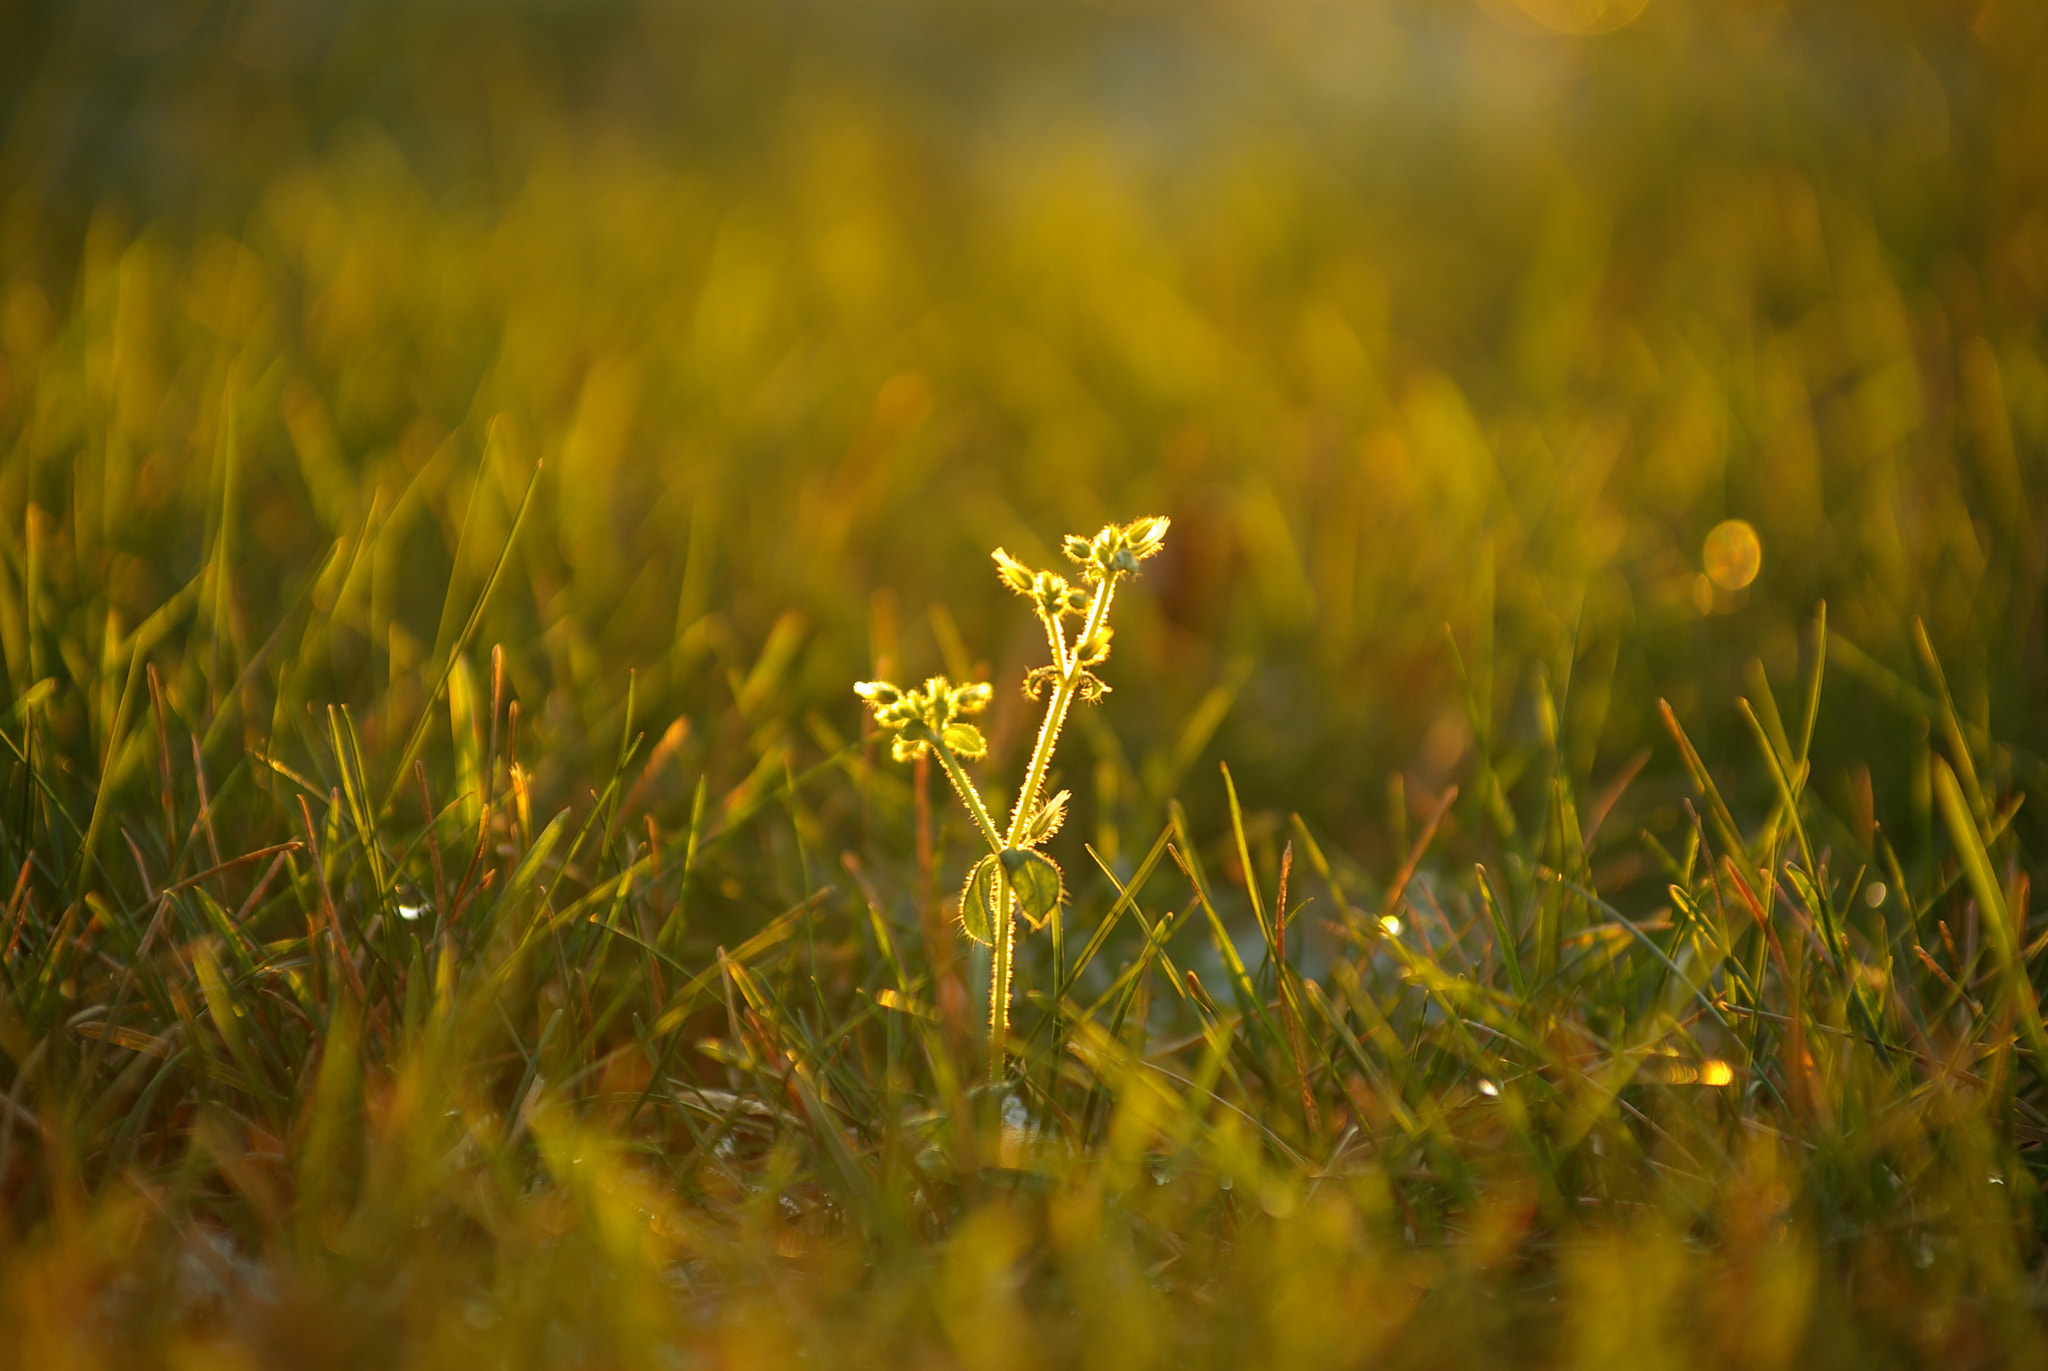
pixel 1014 573
pixel 1049 594
pixel 1145 536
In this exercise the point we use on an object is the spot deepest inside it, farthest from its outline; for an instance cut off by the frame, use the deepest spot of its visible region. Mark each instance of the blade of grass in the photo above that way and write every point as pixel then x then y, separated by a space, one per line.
pixel 476 618
pixel 2019 991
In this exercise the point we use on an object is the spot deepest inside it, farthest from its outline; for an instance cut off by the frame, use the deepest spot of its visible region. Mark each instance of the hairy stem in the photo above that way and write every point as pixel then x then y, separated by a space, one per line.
pixel 1005 930
pixel 1056 711
pixel 970 798
pixel 999 976
pixel 999 970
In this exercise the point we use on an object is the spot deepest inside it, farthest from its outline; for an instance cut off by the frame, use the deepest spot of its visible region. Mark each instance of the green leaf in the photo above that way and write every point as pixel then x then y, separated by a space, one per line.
pixel 965 740
pixel 529 868
pixel 1035 878
pixel 977 902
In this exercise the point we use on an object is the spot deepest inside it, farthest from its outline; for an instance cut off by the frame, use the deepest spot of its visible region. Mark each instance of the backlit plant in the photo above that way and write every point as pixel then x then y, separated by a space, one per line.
pixel 1014 878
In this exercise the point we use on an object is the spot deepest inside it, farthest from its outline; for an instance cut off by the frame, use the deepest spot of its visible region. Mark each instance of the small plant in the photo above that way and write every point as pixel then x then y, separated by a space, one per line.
pixel 1015 877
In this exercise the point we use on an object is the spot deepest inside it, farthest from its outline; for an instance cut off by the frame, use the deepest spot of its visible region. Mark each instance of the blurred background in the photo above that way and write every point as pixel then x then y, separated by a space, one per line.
pixel 1446 331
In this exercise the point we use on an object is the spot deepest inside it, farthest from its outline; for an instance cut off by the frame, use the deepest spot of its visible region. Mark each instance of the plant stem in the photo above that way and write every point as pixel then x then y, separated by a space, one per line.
pixel 964 788
pixel 999 976
pixel 1056 711
pixel 999 968
pixel 1005 930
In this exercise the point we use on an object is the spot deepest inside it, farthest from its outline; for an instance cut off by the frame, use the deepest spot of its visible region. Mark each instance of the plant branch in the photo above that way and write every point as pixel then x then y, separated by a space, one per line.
pixel 1056 709
pixel 964 788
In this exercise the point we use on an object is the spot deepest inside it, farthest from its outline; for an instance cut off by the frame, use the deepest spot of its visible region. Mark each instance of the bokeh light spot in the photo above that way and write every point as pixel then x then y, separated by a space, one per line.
pixel 1732 554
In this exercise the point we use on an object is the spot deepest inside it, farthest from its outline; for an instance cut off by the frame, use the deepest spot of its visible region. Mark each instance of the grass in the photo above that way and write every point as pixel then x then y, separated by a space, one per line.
pixel 456 913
